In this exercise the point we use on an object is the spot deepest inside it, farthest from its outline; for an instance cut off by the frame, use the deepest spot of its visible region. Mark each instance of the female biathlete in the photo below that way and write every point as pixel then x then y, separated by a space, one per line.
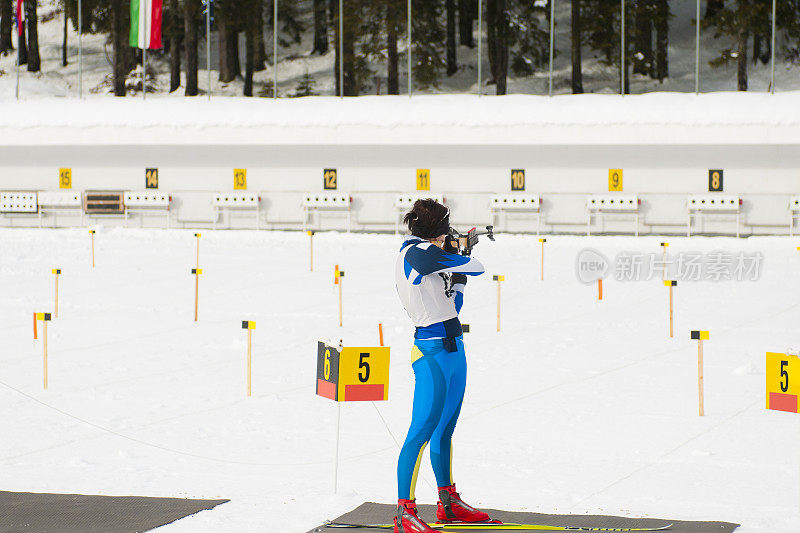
pixel 431 276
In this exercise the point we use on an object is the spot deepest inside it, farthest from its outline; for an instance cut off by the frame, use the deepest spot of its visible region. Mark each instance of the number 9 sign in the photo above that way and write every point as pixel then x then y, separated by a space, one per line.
pixel 783 382
pixel 354 374
pixel 614 179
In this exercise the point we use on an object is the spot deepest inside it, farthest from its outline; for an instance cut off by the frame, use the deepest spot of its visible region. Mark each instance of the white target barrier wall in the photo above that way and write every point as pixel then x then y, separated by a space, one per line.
pixel 794 213
pixel 59 202
pixel 602 205
pixel 516 204
pixel 405 201
pixel 716 205
pixel 18 202
pixel 319 203
pixel 146 202
pixel 236 201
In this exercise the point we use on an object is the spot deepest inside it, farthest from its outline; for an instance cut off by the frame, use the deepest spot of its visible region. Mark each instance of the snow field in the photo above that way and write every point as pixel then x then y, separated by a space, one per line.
pixel 577 405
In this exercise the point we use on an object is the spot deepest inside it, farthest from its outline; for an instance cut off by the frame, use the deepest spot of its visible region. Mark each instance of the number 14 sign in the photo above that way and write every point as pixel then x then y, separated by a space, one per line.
pixel 783 382
pixel 353 374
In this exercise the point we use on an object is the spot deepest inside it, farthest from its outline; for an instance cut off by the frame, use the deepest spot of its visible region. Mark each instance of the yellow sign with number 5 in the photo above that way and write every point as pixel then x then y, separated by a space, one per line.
pixel 783 382
pixel 615 179
pixel 353 374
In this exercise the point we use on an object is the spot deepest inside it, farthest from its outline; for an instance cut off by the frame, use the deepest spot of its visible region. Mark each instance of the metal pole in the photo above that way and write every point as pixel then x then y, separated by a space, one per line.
pixel 408 9
pixel 552 42
pixel 697 52
pixel 336 460
pixel 622 49
pixel 80 49
pixel 772 59
pixel 341 57
pixel 275 46
pixel 208 45
pixel 480 29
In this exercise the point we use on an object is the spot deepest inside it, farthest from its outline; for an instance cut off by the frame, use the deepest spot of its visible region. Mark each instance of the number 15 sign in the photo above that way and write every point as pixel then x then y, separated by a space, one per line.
pixel 783 382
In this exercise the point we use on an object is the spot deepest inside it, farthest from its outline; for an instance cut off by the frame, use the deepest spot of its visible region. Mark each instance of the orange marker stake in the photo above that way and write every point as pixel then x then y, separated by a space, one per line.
pixel 541 269
pixel 670 284
pixel 600 289
pixel 196 272
pixel 197 261
pixel 700 336
pixel 340 282
pixel 664 246
pixel 35 336
pixel 380 332
pixel 311 251
pixel 91 232
pixel 498 279
pixel 57 272
pixel 45 318
pixel 249 325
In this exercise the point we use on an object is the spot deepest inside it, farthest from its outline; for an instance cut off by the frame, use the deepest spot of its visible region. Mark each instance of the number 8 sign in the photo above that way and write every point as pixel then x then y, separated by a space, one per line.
pixel 783 382
pixel 354 374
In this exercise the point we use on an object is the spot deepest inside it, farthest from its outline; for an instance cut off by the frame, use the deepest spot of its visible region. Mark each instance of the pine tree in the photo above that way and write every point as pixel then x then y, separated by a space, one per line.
pixel 305 87
pixel 119 38
pixel 661 24
pixel 450 8
pixel 173 30
pixel 191 12
pixel 393 27
pixel 577 42
pixel 467 13
pixel 64 42
pixel 428 39
pixel 6 16
pixel 31 19
pixel 320 28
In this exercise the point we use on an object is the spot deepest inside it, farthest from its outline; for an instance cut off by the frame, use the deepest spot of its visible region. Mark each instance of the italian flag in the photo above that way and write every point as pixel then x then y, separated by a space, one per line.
pixel 145 15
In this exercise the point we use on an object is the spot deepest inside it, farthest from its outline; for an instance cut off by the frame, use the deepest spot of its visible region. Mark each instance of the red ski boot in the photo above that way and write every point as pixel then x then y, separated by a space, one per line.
pixel 451 509
pixel 407 520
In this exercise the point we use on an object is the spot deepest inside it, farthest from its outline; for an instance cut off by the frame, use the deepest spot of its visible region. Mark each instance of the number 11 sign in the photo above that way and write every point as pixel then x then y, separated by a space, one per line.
pixel 783 382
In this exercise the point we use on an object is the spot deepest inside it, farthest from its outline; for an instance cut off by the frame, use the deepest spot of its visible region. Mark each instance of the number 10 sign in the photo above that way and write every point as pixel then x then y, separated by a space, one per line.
pixel 354 374
pixel 783 382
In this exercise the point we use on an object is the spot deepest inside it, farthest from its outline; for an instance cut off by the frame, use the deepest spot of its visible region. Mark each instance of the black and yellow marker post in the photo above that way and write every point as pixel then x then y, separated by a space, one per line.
pixel 197 260
pixel 541 269
pixel 498 279
pixel 664 246
pixel 196 272
pixel 91 232
pixel 311 251
pixel 45 318
pixel 670 283
pixel 249 325
pixel 337 280
pixel 57 272
pixel 700 336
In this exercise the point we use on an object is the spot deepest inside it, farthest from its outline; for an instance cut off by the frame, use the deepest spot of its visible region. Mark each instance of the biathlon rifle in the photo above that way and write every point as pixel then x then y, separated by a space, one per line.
pixel 467 241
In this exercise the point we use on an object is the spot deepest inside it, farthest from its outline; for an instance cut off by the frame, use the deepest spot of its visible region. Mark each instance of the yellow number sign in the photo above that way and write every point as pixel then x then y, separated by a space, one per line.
pixel 423 179
pixel 783 382
pixel 353 374
pixel 715 180
pixel 614 179
pixel 151 178
pixel 240 179
pixel 518 179
pixel 64 178
pixel 329 179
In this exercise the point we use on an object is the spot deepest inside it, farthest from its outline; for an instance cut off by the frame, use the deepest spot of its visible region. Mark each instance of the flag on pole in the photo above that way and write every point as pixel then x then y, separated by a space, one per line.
pixel 145 15
pixel 20 17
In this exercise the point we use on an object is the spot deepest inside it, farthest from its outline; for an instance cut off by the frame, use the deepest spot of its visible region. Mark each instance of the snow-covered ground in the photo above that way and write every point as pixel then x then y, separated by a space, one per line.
pixel 295 61
pixel 576 406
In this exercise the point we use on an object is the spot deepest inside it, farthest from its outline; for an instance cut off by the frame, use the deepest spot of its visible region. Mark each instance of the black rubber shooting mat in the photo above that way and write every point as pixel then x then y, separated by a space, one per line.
pixel 377 513
pixel 73 513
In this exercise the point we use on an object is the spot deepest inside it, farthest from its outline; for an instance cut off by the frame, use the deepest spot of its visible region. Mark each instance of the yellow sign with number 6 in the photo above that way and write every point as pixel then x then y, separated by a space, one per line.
pixel 783 382
pixel 615 179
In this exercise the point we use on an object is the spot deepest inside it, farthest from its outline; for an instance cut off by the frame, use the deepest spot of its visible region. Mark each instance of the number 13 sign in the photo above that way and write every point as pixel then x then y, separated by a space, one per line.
pixel 354 374
pixel 783 382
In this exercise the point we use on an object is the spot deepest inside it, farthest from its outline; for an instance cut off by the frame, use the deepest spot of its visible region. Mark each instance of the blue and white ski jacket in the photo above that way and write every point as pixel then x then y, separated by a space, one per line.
pixel 422 276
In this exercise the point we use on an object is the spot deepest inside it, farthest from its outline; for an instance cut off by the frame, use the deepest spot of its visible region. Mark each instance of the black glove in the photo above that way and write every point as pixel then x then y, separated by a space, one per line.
pixel 450 245
pixel 457 279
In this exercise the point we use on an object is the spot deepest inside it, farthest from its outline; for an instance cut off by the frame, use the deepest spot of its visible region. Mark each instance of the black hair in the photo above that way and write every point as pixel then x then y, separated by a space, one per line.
pixel 428 219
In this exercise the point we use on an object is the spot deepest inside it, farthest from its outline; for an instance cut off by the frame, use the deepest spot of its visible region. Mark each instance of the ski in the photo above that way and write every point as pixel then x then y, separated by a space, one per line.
pixel 499 527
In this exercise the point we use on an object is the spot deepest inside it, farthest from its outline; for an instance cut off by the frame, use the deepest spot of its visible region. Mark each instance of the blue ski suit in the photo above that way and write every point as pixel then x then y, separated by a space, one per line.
pixel 425 285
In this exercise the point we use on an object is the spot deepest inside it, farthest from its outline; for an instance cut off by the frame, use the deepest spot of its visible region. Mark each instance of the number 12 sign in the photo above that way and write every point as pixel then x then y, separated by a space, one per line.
pixel 353 374
pixel 783 382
